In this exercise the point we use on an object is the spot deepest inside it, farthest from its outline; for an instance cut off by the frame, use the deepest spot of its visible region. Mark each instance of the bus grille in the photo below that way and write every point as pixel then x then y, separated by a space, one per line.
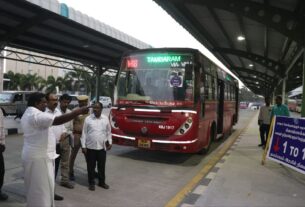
pixel 161 146
pixel 146 120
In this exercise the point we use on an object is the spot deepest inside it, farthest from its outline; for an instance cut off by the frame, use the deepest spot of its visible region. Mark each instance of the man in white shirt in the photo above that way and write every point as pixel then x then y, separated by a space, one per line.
pixel 56 133
pixel 96 140
pixel 38 166
pixel 3 196
pixel 264 122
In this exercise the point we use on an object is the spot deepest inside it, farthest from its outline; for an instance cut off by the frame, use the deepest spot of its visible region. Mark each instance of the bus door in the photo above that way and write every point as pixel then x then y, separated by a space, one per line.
pixel 220 113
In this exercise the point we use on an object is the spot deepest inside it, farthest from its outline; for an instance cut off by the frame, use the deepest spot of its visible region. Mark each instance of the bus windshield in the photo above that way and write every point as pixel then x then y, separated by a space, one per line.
pixel 165 79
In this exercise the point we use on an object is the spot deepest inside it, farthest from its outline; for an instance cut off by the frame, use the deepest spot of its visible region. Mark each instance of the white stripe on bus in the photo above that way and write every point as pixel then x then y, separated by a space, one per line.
pixel 124 137
pixel 148 110
pixel 185 111
pixel 174 142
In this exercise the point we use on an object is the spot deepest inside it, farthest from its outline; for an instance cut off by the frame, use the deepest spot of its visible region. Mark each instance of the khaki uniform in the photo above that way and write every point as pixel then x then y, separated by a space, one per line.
pixel 78 123
pixel 65 151
pixel 64 160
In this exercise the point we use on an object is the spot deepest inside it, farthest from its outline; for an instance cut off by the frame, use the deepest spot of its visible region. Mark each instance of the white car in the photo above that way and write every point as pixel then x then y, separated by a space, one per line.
pixel 105 100
pixel 254 106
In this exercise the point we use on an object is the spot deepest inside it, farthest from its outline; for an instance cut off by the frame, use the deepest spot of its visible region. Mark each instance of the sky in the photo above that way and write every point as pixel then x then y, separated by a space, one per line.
pixel 143 20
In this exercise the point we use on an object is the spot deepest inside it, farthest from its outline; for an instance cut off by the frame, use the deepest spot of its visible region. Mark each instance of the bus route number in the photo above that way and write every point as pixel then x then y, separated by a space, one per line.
pixel 293 151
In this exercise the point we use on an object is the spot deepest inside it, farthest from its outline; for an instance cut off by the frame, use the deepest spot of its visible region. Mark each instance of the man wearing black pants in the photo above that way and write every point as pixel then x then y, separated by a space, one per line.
pixel 264 122
pixel 3 196
pixel 95 141
pixel 99 157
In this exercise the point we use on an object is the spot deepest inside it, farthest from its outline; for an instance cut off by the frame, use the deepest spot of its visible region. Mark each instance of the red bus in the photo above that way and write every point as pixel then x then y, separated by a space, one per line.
pixel 172 99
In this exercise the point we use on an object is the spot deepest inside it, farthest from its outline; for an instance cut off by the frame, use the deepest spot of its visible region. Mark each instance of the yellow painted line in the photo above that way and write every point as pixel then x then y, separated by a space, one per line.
pixel 176 200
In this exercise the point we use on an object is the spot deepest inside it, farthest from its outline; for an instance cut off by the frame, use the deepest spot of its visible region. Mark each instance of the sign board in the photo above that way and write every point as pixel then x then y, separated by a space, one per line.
pixel 176 81
pixel 287 142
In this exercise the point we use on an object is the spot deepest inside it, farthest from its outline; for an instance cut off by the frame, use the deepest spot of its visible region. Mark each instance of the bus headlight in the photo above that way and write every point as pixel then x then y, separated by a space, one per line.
pixel 113 122
pixel 185 126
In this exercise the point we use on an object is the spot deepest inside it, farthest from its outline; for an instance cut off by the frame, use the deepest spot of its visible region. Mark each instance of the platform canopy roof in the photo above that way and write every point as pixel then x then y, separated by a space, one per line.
pixel 51 28
pixel 260 41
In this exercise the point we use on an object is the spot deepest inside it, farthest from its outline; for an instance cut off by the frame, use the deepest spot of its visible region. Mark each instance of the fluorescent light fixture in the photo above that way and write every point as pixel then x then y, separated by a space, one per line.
pixel 241 38
pixel 254 76
pixel 257 82
pixel 251 65
pixel 298 76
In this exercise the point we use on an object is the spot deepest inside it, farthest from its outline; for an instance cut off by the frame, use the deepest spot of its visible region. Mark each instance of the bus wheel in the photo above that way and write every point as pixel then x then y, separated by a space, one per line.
pixel 206 149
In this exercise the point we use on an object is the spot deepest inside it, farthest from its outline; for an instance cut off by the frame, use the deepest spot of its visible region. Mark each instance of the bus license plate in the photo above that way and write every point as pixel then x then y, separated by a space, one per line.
pixel 144 143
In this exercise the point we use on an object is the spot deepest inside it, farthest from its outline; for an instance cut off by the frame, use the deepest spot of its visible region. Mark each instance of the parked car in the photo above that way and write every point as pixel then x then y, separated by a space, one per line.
pixel 14 102
pixel 254 106
pixel 105 100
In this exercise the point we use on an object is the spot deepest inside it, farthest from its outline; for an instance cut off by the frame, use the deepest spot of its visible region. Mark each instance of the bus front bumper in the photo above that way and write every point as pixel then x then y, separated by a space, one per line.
pixel 182 146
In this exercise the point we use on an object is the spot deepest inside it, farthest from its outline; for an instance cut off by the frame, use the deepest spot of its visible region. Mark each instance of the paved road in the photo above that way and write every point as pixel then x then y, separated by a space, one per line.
pixel 136 177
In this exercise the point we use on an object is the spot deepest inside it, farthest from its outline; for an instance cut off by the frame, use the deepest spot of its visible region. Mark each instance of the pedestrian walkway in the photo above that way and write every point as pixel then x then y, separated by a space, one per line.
pixel 239 179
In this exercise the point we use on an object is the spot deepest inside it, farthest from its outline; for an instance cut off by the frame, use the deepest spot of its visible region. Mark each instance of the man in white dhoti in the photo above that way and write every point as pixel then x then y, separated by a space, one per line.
pixel 38 166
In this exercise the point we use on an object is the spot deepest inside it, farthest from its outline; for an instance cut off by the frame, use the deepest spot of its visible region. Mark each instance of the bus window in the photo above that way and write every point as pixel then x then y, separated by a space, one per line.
pixel 202 87
pixel 210 97
pixel 169 82
pixel 214 86
pixel 18 97
pixel 206 87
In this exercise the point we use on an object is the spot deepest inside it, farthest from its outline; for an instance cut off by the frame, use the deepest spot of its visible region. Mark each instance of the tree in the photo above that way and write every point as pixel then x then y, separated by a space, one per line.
pixel 13 82
pixel 82 79
pixel 54 85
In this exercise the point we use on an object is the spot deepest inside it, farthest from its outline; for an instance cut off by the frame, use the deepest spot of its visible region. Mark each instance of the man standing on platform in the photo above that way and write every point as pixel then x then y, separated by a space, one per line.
pixel 96 140
pixel 3 196
pixel 264 121
pixel 56 133
pixel 64 102
pixel 78 123
pixel 279 109
pixel 39 177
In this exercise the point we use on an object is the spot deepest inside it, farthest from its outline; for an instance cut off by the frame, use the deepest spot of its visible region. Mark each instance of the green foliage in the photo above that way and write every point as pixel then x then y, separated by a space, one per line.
pixel 76 80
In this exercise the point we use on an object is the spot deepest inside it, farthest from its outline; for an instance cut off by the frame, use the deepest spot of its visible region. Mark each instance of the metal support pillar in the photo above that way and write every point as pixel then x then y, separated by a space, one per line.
pixel 284 90
pixel 1 74
pixel 1 68
pixel 303 94
pixel 98 78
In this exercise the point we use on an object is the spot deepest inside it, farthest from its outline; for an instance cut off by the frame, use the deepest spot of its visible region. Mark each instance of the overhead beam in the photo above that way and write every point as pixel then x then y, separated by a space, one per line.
pixel 224 32
pixel 23 27
pixel 266 62
pixel 281 20
pixel 258 89
pixel 186 18
pixel 254 72
pixel 292 63
pixel 255 80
